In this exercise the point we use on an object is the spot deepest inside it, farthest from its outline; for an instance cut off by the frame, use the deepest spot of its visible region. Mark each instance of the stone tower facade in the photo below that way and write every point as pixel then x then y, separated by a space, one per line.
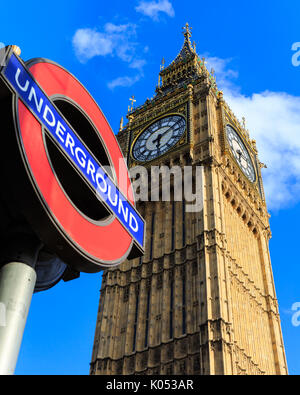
pixel 202 299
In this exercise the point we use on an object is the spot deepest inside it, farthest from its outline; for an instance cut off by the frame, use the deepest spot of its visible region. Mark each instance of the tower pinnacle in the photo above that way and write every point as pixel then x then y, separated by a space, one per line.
pixel 187 32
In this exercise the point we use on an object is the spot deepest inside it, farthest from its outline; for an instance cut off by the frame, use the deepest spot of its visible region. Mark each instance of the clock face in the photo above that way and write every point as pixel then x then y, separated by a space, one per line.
pixel 158 138
pixel 240 153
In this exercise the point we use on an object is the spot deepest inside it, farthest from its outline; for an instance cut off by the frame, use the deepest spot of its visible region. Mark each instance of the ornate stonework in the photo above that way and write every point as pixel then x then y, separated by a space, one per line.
pixel 202 299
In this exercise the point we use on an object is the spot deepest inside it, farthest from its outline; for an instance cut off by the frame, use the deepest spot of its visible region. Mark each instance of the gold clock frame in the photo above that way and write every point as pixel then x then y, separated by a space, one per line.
pixel 247 146
pixel 179 143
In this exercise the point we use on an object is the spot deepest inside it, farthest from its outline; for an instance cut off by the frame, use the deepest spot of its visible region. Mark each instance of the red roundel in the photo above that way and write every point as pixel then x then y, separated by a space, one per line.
pixel 104 243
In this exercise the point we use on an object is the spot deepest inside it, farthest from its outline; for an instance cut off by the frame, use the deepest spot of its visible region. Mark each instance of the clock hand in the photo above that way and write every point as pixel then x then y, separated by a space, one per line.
pixel 170 128
pixel 157 140
pixel 240 154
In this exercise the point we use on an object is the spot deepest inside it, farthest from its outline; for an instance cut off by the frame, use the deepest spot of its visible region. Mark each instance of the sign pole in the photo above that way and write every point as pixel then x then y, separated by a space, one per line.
pixel 17 281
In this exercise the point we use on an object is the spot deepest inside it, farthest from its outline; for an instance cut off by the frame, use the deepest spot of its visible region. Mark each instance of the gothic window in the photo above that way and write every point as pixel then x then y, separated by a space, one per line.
pixel 172 260
pixel 170 351
pixel 196 364
pixel 152 235
pixel 173 227
pixel 126 294
pixel 169 369
pixel 119 366
pixel 171 308
pixel 183 304
pixel 149 269
pixel 183 346
pixel 144 360
pixel 137 289
pixel 182 367
pixel 135 319
pixel 160 264
pixel 183 223
pixel 147 317
pixel 131 363
pixel 148 283
pixel 194 268
pixel 157 355
pixel 159 281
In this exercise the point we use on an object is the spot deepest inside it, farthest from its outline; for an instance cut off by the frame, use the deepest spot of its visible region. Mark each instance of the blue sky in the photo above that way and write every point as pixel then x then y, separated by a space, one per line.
pixel 115 49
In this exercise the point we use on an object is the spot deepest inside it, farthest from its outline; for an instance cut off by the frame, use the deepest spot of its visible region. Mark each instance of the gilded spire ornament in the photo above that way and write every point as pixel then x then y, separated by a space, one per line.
pixel 121 123
pixel 132 100
pixel 162 66
pixel 244 122
pixel 187 32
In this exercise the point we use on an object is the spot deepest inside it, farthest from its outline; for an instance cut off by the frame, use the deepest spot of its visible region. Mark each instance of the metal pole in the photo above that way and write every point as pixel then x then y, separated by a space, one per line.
pixel 17 281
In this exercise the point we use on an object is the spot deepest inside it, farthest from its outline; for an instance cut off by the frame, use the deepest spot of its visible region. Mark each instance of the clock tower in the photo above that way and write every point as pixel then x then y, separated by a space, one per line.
pixel 202 299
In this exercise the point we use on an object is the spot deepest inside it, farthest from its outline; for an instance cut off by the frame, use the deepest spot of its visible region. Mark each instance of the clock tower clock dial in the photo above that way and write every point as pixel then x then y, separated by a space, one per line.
pixel 240 153
pixel 158 138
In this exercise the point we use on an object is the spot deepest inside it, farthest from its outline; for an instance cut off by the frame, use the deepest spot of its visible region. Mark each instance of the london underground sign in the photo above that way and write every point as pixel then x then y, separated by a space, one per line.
pixel 58 145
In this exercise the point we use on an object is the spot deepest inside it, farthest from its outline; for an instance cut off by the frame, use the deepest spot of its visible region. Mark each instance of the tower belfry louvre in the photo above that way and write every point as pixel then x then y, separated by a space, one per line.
pixel 202 299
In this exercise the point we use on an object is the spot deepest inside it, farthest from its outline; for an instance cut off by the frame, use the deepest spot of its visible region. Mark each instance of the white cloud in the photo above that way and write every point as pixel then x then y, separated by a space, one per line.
pixel 89 43
pixel 273 119
pixel 112 28
pixel 114 40
pixel 123 82
pixel 138 64
pixel 126 81
pixel 226 75
pixel 153 8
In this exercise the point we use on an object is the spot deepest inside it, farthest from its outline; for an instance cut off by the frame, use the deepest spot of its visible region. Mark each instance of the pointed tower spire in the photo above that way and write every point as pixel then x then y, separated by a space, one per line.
pixel 121 124
pixel 187 50
pixel 185 68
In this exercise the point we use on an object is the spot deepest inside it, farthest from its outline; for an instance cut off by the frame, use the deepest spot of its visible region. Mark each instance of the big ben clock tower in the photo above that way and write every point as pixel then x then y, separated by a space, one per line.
pixel 202 300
